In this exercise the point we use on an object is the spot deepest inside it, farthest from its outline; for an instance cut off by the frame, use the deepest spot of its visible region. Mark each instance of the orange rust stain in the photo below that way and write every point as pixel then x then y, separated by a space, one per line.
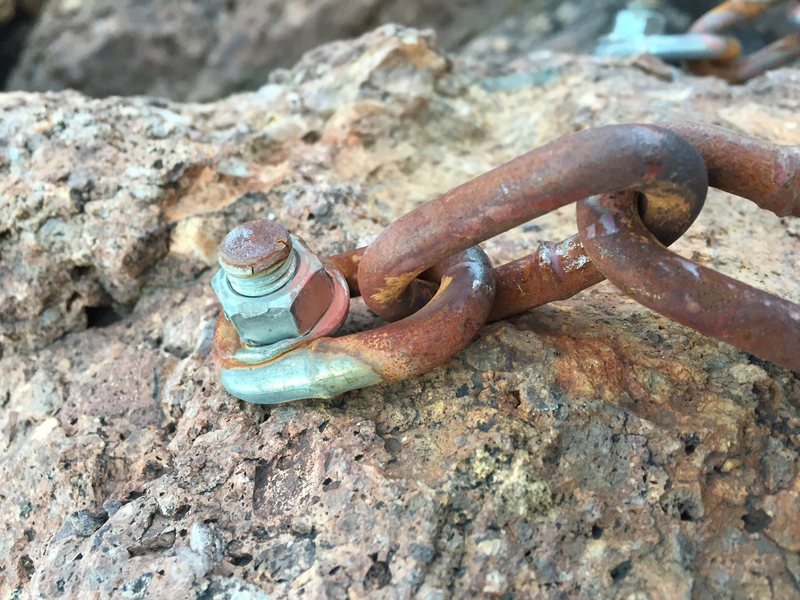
pixel 393 287
pixel 602 368
pixel 749 10
pixel 588 366
pixel 226 341
pixel 733 49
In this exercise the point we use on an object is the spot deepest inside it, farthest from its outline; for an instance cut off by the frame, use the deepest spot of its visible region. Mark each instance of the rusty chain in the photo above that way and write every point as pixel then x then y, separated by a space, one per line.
pixel 718 306
pixel 637 187
pixel 646 159
pixel 707 48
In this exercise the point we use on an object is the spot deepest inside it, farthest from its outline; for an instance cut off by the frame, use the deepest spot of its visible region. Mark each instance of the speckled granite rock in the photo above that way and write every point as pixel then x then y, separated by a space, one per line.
pixel 587 449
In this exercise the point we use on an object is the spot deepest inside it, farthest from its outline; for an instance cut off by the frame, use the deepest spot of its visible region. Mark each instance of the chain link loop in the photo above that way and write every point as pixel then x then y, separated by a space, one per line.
pixel 638 189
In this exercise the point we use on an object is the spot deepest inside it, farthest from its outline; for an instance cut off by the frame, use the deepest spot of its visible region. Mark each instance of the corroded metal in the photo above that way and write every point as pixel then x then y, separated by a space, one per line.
pixel 257 257
pixel 328 324
pixel 328 366
pixel 638 187
pixel 553 271
pixel 288 306
pixel 767 174
pixel 738 69
pixel 647 159
pixel 712 303
pixel 640 30
pixel 730 13
pixel 347 264
pixel 706 49
pixel 780 53
pixel 675 47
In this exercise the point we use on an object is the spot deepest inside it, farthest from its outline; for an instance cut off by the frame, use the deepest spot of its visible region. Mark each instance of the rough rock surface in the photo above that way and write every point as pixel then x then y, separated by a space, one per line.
pixel 587 449
pixel 204 50
pixel 207 49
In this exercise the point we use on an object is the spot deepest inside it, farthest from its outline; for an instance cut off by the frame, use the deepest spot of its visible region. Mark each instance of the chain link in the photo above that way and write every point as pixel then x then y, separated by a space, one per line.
pixel 638 189
pixel 706 48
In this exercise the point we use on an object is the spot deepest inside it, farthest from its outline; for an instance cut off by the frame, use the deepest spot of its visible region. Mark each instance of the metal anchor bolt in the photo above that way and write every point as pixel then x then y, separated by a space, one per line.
pixel 257 258
pixel 273 289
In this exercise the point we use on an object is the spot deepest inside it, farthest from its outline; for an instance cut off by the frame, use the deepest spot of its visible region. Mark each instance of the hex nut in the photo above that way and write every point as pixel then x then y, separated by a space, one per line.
pixel 286 313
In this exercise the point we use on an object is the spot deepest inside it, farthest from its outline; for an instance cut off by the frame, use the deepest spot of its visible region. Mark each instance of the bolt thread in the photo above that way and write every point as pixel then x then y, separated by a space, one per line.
pixel 264 282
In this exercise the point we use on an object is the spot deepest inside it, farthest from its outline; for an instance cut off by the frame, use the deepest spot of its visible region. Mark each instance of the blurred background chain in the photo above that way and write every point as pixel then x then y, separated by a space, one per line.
pixel 707 48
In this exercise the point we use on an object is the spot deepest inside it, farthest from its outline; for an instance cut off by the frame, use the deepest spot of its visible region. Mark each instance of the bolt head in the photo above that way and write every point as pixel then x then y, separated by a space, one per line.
pixel 255 246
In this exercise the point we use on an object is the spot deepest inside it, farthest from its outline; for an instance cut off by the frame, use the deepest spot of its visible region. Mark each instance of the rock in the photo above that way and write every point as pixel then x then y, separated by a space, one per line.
pixel 588 448
pixel 11 8
pixel 17 18
pixel 7 10
pixel 82 523
pixel 205 50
